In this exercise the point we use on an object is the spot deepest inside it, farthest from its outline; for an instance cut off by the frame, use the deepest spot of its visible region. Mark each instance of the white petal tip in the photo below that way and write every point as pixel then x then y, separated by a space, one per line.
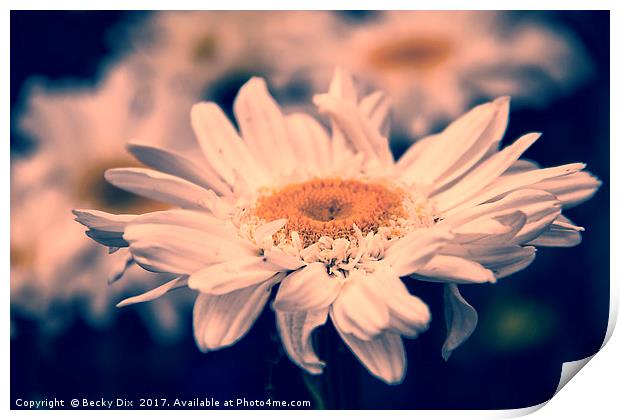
pixel 445 354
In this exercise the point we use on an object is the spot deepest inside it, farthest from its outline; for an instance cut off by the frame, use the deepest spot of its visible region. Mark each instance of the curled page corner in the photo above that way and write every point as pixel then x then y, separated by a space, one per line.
pixel 570 369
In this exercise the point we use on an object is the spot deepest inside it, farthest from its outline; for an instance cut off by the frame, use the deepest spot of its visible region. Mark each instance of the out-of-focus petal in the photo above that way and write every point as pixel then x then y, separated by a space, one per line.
pixel 461 319
pixel 295 329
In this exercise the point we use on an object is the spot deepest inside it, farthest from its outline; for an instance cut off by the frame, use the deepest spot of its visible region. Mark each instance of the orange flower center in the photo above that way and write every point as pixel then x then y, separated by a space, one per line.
pixel 415 53
pixel 331 207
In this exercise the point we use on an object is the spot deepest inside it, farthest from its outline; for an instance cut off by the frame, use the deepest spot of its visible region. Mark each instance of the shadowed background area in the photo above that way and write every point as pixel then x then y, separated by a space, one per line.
pixel 530 322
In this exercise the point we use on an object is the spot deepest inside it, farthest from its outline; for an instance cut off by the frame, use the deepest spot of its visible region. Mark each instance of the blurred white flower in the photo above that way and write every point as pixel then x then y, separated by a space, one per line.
pixel 55 275
pixel 172 58
pixel 336 222
pixel 432 64
pixel 178 55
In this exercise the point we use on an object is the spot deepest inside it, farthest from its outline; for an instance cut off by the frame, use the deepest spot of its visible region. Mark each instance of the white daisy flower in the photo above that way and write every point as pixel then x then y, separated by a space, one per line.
pixel 432 64
pixel 336 223
pixel 79 134
pixel 177 56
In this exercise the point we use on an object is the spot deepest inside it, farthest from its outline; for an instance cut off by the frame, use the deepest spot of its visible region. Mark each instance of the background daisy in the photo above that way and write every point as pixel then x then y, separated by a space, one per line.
pixel 52 280
pixel 432 64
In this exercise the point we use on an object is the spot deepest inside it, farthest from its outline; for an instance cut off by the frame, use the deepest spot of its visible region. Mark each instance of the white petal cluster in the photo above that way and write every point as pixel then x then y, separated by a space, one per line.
pixel 487 210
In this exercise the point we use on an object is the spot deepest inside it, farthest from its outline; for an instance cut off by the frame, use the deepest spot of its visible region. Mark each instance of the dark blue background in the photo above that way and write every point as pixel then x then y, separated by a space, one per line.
pixel 559 305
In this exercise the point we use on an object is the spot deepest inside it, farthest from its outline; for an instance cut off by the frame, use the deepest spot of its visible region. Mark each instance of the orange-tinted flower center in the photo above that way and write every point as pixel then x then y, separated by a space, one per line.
pixel 205 49
pixel 331 207
pixel 415 53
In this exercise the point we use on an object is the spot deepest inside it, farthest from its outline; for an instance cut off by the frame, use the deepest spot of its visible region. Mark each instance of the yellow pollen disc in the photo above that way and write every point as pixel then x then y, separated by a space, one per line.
pixel 331 207
pixel 22 256
pixel 415 53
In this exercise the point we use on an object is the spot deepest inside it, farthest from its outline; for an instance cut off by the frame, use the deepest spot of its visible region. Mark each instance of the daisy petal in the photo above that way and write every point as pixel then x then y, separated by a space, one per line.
pixel 222 320
pixel 412 252
pixel 236 273
pixel 198 220
pixel 416 152
pixel 356 127
pixel 111 239
pixel 222 147
pixel 120 267
pixel 461 319
pixel 177 249
pixel 571 189
pixel 175 164
pixel 409 315
pixel 485 146
pixel 484 174
pixel 461 145
pixel 521 165
pixel 155 293
pixel 501 259
pixel 157 186
pixel 559 234
pixel 448 268
pixel 527 201
pixel 495 229
pixel 342 86
pixel 376 107
pixel 282 260
pixel 310 141
pixel 537 222
pixel 308 289
pixel 262 124
pixel 295 329
pixel 104 228
pixel 100 220
pixel 265 232
pixel 508 183
pixel 383 356
pixel 566 223
pixel 360 308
